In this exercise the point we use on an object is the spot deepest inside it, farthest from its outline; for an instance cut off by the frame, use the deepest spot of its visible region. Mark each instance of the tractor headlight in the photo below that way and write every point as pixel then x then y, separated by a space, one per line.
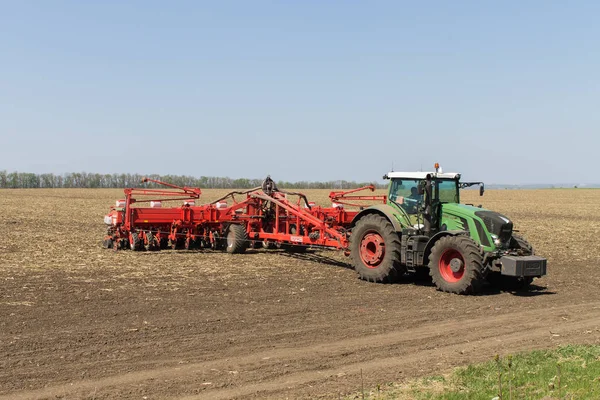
pixel 496 239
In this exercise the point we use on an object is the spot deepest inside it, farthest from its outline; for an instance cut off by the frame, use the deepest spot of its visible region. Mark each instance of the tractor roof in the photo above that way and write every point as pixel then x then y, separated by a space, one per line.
pixel 423 175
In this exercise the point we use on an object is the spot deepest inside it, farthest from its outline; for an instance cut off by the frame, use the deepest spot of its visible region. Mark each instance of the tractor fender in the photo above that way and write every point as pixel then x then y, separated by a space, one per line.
pixel 383 210
pixel 435 238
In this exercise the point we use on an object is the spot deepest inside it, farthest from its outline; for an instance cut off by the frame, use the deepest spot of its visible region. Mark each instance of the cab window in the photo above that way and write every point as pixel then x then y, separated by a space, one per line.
pixel 448 191
pixel 406 194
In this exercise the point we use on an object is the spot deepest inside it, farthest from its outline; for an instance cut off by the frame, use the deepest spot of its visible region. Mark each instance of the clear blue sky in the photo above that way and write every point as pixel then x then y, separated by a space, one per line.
pixel 506 92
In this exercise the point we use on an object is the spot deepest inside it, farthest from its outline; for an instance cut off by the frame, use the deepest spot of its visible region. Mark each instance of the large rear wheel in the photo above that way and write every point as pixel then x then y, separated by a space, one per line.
pixel 456 265
pixel 375 249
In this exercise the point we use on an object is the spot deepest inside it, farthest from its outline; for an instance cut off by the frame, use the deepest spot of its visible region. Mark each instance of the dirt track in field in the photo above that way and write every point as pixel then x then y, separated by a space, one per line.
pixel 77 321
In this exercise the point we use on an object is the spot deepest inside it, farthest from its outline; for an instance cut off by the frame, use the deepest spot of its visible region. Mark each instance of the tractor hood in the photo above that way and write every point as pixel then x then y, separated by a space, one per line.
pixel 485 222
pixel 463 209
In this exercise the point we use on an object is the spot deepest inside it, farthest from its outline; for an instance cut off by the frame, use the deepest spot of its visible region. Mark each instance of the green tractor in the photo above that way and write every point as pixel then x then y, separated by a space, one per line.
pixel 423 229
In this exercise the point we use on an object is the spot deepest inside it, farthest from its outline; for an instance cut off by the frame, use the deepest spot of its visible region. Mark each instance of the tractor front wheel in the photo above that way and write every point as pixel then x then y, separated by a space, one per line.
pixel 375 249
pixel 456 265
pixel 516 283
pixel 519 243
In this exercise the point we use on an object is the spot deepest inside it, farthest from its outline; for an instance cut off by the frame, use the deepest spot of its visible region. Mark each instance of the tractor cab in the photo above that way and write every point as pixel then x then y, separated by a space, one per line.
pixel 458 244
pixel 420 196
pixel 409 189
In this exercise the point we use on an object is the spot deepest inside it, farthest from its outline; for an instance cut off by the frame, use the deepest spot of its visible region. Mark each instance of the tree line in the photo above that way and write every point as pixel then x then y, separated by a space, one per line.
pixel 26 180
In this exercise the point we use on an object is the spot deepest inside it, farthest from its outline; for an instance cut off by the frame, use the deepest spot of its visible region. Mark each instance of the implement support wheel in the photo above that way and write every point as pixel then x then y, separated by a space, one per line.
pixel 375 249
pixel 177 244
pixel 164 243
pixel 237 239
pixel 190 243
pixel 149 245
pixel 107 243
pixel 456 265
pixel 135 243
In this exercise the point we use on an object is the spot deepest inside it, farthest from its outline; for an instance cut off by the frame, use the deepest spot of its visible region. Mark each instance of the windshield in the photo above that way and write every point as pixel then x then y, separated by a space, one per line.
pixel 406 194
pixel 448 191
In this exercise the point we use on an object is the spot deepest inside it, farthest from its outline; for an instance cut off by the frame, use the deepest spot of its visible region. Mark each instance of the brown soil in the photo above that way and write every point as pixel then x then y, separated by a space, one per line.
pixel 78 321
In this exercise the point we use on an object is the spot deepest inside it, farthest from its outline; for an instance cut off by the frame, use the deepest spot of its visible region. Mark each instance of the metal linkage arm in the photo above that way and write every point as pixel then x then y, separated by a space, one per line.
pixel 306 216
pixel 187 191
pixel 343 197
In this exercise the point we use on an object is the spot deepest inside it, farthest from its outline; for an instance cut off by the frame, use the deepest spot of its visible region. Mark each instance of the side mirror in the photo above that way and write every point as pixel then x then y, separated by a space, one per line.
pixel 481 189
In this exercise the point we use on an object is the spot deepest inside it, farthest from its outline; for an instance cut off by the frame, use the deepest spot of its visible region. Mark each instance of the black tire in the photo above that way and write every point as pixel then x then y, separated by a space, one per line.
pixel 121 244
pixel 108 243
pixel 149 245
pixel 135 243
pixel 190 244
pixel 519 242
pixel 164 243
pixel 456 265
pixel 177 244
pixel 375 249
pixel 218 242
pixel 237 239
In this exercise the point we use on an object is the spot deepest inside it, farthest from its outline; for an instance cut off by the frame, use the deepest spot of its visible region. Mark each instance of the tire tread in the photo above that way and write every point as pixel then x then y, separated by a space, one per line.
pixel 392 268
pixel 473 279
pixel 240 239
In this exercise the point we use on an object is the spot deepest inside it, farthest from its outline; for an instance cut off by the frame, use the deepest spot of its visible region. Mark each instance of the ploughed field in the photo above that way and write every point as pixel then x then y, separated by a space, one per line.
pixel 79 321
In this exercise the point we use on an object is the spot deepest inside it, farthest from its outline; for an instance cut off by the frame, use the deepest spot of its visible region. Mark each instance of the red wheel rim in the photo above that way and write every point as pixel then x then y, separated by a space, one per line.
pixel 445 266
pixel 372 249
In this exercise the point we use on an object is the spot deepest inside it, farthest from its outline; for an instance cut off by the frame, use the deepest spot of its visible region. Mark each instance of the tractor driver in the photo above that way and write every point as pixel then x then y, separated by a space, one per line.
pixel 414 194
pixel 411 202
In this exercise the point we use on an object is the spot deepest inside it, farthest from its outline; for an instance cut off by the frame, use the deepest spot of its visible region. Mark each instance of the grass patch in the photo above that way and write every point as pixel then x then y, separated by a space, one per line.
pixel 568 372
